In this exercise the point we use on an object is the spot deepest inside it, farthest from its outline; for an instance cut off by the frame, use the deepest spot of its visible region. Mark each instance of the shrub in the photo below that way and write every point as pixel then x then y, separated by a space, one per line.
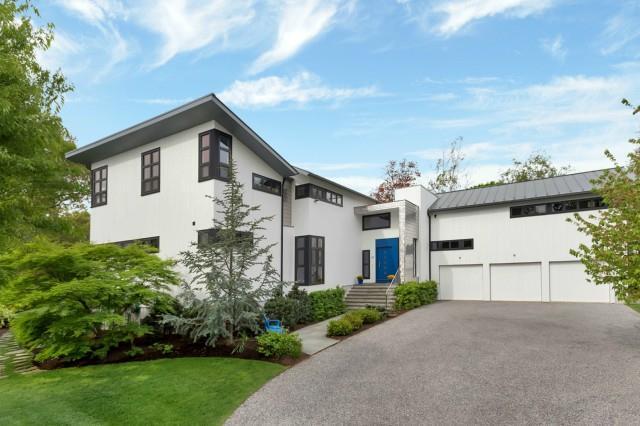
pixel 276 345
pixel 6 314
pixel 369 316
pixel 76 301
pixel 412 295
pixel 295 308
pixel 355 318
pixel 327 303
pixel 339 327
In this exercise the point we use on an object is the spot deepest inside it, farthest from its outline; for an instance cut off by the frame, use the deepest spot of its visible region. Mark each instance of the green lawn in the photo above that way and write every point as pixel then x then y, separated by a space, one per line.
pixel 193 391
pixel 634 306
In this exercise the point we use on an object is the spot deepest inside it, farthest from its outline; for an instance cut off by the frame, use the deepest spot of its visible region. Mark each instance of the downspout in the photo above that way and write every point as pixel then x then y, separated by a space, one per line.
pixel 284 180
pixel 429 245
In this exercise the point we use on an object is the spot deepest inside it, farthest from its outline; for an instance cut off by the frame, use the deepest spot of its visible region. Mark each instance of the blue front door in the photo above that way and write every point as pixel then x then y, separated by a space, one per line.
pixel 387 256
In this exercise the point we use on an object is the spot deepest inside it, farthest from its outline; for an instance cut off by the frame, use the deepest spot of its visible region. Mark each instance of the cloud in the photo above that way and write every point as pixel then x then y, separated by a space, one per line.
pixel 94 11
pixel 555 47
pixel 458 14
pixel 621 29
pixel 300 89
pixel 300 22
pixel 362 184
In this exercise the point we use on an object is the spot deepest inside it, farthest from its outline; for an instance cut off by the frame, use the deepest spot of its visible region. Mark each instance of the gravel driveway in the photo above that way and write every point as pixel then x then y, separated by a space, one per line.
pixel 468 363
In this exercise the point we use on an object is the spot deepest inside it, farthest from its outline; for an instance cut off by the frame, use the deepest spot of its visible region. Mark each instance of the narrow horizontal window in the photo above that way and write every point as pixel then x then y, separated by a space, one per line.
pixel 463 244
pixel 309 190
pixel 149 241
pixel 265 184
pixel 99 186
pixel 150 172
pixel 211 236
pixel 376 221
pixel 555 207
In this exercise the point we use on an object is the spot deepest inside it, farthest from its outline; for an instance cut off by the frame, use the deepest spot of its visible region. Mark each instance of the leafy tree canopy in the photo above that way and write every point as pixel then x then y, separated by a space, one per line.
pixel 537 166
pixel 613 255
pixel 38 187
pixel 448 169
pixel 398 174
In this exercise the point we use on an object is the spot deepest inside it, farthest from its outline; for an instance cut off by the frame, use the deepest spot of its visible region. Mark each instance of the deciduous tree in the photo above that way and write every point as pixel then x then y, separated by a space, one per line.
pixel 448 169
pixel 398 174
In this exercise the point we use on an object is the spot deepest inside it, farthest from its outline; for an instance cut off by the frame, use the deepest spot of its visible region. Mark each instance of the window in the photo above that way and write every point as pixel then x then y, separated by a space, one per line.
pixel 265 184
pixel 376 221
pixel 214 155
pixel 149 241
pixel 366 264
pixel 557 207
pixel 309 260
pixel 209 236
pixel 151 171
pixel 466 244
pixel 415 257
pixel 99 186
pixel 309 190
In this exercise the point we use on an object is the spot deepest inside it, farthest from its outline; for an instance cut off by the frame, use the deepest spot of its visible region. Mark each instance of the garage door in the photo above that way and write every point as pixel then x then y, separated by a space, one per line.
pixel 516 282
pixel 461 282
pixel 568 283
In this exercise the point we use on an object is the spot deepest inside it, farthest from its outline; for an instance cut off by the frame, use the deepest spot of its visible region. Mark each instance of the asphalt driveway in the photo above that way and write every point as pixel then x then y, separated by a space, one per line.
pixel 468 363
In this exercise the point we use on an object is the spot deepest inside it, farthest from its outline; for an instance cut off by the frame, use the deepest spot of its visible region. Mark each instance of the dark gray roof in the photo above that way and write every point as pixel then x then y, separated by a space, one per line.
pixel 196 112
pixel 337 185
pixel 560 186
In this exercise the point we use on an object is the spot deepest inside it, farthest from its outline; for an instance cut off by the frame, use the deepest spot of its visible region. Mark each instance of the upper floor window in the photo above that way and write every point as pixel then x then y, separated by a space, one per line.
pixel 376 221
pixel 309 190
pixel 151 171
pixel 466 244
pixel 149 241
pixel 265 184
pixel 210 236
pixel 569 206
pixel 214 155
pixel 99 186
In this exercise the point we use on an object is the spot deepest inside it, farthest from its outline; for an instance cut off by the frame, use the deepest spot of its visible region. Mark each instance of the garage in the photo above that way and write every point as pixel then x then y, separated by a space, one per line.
pixel 568 283
pixel 460 282
pixel 516 282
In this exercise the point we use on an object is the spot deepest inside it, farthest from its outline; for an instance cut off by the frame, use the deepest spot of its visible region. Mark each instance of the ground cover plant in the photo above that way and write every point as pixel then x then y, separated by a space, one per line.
pixel 415 294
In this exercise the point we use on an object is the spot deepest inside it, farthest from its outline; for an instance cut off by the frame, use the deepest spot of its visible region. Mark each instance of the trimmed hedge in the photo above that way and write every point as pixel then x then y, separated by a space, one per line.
pixel 413 294
pixel 352 321
pixel 327 303
pixel 277 345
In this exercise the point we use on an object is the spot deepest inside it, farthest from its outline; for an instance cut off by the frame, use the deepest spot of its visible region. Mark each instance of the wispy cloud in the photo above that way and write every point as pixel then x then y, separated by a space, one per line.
pixel 300 21
pixel 621 29
pixel 555 47
pixel 361 183
pixel 299 89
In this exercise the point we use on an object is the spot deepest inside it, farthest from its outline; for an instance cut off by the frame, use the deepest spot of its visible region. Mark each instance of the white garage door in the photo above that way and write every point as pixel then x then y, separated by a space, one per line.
pixel 461 282
pixel 516 282
pixel 568 283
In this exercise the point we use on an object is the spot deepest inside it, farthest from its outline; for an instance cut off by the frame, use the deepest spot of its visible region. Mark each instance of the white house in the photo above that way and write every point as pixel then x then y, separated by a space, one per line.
pixel 152 182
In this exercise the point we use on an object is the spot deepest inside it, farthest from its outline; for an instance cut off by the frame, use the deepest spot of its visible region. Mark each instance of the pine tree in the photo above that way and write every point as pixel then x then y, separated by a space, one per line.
pixel 232 272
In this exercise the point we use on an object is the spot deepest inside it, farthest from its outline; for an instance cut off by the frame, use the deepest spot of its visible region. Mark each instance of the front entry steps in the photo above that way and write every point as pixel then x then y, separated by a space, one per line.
pixel 361 296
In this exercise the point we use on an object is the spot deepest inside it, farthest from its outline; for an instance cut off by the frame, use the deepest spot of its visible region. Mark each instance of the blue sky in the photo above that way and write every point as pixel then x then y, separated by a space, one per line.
pixel 342 86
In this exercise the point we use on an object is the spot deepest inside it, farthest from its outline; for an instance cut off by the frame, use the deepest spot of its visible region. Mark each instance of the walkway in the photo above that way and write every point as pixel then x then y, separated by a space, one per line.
pixel 13 359
pixel 314 337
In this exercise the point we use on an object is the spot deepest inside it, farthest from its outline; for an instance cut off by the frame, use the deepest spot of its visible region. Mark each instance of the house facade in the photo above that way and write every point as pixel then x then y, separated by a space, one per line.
pixel 153 183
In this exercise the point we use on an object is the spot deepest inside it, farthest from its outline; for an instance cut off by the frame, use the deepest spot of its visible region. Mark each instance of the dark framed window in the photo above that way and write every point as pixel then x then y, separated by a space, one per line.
pixel 465 244
pixel 150 172
pixel 214 155
pixel 210 236
pixel 265 184
pixel 376 221
pixel 556 207
pixel 309 260
pixel 415 257
pixel 309 190
pixel 366 264
pixel 99 186
pixel 149 241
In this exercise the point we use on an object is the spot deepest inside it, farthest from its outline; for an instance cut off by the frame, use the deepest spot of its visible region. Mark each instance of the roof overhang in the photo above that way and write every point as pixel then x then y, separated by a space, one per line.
pixel 381 208
pixel 196 112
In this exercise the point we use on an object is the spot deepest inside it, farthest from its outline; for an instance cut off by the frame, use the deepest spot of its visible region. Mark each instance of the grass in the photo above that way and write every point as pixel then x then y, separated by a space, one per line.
pixel 634 306
pixel 169 391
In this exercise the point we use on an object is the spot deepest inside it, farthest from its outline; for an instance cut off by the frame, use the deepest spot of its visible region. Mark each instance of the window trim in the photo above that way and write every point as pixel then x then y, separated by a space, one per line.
pixel 549 207
pixel 438 245
pixel 93 186
pixel 150 166
pixel 258 188
pixel 366 272
pixel 387 214
pixel 322 190
pixel 308 258
pixel 213 165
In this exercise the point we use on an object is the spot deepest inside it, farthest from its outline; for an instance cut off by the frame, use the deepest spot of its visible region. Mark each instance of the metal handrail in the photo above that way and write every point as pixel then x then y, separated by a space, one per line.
pixel 386 294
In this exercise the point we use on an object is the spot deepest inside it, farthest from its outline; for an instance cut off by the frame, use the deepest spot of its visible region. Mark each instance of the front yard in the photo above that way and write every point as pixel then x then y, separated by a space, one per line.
pixel 167 391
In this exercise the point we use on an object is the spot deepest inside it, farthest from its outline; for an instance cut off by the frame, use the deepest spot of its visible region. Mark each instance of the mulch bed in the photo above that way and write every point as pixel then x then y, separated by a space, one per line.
pixel 181 348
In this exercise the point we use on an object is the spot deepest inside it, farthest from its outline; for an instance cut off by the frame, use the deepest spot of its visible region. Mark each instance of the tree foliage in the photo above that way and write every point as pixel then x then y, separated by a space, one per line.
pixel 231 275
pixel 38 187
pixel 613 255
pixel 537 166
pixel 76 301
pixel 398 174
pixel 448 169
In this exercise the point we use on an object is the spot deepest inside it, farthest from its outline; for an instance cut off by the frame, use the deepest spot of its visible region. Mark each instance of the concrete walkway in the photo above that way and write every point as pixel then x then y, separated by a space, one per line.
pixel 468 363
pixel 314 337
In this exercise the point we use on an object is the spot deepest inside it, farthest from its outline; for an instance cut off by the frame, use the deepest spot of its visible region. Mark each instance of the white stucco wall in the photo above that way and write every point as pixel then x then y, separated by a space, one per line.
pixel 182 200
pixel 369 238
pixel 499 239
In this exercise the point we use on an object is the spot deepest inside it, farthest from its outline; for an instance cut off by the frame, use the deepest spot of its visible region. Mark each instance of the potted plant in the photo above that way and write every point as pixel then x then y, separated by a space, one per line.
pixel 390 277
pixel 360 279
